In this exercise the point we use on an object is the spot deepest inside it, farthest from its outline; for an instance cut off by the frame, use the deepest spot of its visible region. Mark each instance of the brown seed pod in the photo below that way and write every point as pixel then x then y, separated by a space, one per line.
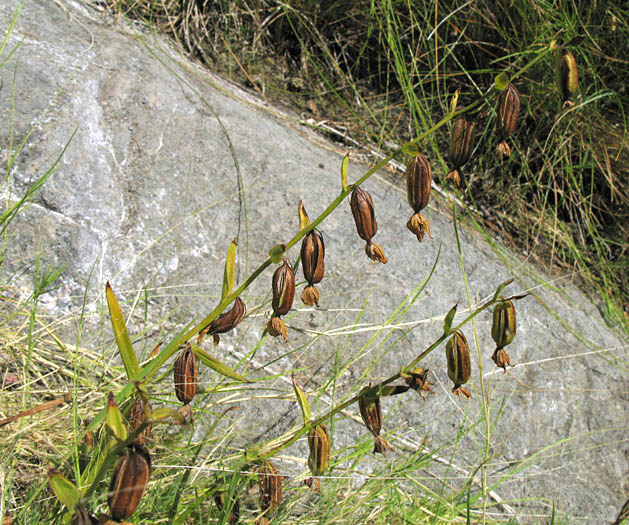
pixel 220 500
pixel 461 146
pixel 459 363
pixel 312 261
pixel 503 331
pixel 418 186
pixel 319 445
pixel 508 109
pixel 361 205
pixel 417 380
pixel 270 484
pixel 371 412
pixel 139 411
pixel 283 288
pixel 131 476
pixel 225 322
pixel 186 372
pixel 275 326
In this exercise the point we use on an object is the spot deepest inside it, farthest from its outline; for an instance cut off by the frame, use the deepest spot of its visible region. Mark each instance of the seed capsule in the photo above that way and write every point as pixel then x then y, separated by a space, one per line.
pixel 508 109
pixel 361 204
pixel 283 288
pixel 417 380
pixel 319 458
pixel 139 412
pixel 131 476
pixel 567 75
pixel 186 371
pixel 225 322
pixel 503 331
pixel 371 412
pixel 418 185
pixel 270 484
pixel 459 364
pixel 461 146
pixel 220 500
pixel 276 327
pixel 312 261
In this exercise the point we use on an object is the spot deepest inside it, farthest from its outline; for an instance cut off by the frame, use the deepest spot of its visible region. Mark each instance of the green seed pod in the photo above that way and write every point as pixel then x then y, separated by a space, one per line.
pixel 459 364
pixel 319 445
pixel 371 412
pixel 361 204
pixel 567 75
pixel 130 479
pixel 186 370
pixel 503 325
pixel 283 288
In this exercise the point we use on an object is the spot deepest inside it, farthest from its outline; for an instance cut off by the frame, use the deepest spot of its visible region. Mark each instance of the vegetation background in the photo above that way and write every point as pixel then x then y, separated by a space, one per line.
pixel 372 75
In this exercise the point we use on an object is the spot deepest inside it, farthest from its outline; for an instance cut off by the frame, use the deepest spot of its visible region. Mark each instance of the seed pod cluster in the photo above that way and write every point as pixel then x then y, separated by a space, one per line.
pixel 418 185
pixel 312 262
pixel 225 322
pixel 283 285
pixel 567 75
pixel 319 457
pixel 364 215
pixel 503 331
pixel 131 476
pixel 461 146
pixel 371 413
pixel 508 109
pixel 459 363
pixel 186 370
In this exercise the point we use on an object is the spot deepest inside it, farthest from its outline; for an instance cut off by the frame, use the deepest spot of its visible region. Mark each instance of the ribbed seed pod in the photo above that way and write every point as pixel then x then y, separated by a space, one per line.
pixel 364 215
pixel 283 288
pixel 418 185
pixel 319 457
pixel 270 484
pixel 186 370
pixel 503 331
pixel 461 146
pixel 567 75
pixel 220 500
pixel 312 261
pixel 131 476
pixel 459 363
pixel 371 412
pixel 139 411
pixel 417 380
pixel 508 109
pixel 225 322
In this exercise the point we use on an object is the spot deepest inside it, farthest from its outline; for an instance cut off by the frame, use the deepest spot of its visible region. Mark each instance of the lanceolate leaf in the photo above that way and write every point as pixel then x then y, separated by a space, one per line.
pixel 344 165
pixel 216 365
pixel 230 268
pixel 302 400
pixel 129 359
pixel 304 220
pixel 114 420
pixel 66 491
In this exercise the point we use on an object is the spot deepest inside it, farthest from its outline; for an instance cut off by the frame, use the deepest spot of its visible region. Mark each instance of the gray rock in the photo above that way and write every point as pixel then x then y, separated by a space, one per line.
pixel 170 163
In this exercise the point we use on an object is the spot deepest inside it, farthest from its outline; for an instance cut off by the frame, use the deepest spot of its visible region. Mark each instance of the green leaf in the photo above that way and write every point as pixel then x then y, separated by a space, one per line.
pixel 344 166
pixel 277 252
pixel 114 420
pixel 164 414
pixel 447 324
pixel 230 268
pixel 501 81
pixel 454 101
pixel 411 149
pixel 129 359
pixel 216 365
pixel 501 288
pixel 66 491
pixel 302 400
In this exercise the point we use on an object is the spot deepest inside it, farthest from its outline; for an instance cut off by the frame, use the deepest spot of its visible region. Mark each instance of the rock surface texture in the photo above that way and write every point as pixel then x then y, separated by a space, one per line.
pixel 170 163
